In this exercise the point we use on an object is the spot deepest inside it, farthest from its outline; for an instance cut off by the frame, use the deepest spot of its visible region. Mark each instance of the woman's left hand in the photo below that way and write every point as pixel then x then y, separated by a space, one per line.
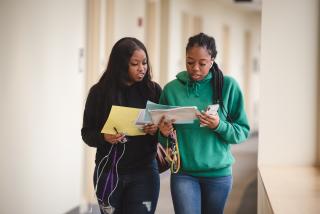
pixel 211 121
pixel 150 129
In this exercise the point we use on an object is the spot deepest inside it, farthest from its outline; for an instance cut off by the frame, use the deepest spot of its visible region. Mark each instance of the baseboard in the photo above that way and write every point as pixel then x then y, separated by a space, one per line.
pixel 85 209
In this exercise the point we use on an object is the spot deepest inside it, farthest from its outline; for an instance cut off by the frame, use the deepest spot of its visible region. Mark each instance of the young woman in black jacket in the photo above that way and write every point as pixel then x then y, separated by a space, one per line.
pixel 126 177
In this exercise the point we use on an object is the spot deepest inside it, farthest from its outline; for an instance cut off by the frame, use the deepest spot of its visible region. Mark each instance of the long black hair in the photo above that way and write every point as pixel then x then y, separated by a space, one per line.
pixel 116 74
pixel 208 42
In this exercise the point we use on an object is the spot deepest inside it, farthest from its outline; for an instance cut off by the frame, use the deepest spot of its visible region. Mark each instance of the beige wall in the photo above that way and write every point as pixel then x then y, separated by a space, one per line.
pixel 289 83
pixel 41 105
pixel 126 18
pixel 289 94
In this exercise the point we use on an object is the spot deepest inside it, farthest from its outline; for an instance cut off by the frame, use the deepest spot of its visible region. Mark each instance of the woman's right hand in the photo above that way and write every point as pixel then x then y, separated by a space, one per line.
pixel 165 126
pixel 113 138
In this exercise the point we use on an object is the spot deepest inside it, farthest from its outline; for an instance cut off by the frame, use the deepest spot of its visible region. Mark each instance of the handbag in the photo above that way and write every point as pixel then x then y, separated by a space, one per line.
pixel 163 163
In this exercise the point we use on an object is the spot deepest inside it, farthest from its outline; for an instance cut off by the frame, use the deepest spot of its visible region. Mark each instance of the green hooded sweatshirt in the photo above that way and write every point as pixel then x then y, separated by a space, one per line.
pixel 203 151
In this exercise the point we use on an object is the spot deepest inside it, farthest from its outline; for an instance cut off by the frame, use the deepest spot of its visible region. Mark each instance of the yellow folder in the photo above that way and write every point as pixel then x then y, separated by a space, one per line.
pixel 122 119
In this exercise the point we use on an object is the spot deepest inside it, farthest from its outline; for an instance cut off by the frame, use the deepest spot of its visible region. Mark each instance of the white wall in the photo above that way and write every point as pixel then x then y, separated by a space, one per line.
pixel 254 22
pixel 175 62
pixel 289 83
pixel 126 16
pixel 41 105
pixel 126 19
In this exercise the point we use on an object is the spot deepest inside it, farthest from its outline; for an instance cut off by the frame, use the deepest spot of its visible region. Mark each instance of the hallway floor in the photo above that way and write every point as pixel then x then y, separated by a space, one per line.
pixel 243 198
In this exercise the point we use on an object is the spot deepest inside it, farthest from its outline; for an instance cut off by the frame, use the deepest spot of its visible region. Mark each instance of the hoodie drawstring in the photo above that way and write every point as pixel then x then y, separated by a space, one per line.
pixel 194 87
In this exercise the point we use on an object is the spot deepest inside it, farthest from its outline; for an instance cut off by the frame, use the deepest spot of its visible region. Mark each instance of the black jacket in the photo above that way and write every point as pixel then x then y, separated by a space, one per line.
pixel 140 150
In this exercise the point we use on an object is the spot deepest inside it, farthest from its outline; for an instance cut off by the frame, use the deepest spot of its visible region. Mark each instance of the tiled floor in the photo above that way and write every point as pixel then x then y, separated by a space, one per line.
pixel 243 198
pixel 165 203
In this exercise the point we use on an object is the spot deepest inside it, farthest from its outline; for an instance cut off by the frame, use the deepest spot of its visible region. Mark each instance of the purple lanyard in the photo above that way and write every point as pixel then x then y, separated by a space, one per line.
pixel 111 181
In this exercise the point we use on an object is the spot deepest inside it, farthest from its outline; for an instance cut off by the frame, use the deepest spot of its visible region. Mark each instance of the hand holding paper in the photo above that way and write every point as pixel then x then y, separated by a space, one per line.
pixel 114 138
pixel 126 120
pixel 123 119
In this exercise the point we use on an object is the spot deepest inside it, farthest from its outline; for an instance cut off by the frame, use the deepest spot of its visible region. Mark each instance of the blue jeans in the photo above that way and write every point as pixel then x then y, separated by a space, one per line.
pixel 199 195
pixel 136 193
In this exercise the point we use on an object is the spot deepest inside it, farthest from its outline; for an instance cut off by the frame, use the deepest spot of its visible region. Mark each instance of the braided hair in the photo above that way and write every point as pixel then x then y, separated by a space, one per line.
pixel 217 81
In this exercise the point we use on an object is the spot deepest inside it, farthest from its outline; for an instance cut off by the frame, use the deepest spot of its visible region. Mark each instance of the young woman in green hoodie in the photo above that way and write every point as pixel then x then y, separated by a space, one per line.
pixel 204 179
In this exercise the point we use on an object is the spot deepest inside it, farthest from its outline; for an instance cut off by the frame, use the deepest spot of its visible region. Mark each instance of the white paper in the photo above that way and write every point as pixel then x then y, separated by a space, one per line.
pixel 143 118
pixel 181 115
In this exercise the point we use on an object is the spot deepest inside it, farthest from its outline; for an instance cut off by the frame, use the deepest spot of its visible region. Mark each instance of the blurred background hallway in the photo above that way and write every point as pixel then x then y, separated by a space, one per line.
pixel 53 51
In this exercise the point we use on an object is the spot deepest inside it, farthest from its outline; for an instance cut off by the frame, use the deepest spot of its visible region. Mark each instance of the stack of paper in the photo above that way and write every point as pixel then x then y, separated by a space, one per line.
pixel 129 121
pixel 180 115
pixel 154 112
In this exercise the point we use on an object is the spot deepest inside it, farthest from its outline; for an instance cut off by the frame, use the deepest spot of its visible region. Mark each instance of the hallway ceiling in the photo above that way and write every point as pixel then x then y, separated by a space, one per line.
pixel 253 5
